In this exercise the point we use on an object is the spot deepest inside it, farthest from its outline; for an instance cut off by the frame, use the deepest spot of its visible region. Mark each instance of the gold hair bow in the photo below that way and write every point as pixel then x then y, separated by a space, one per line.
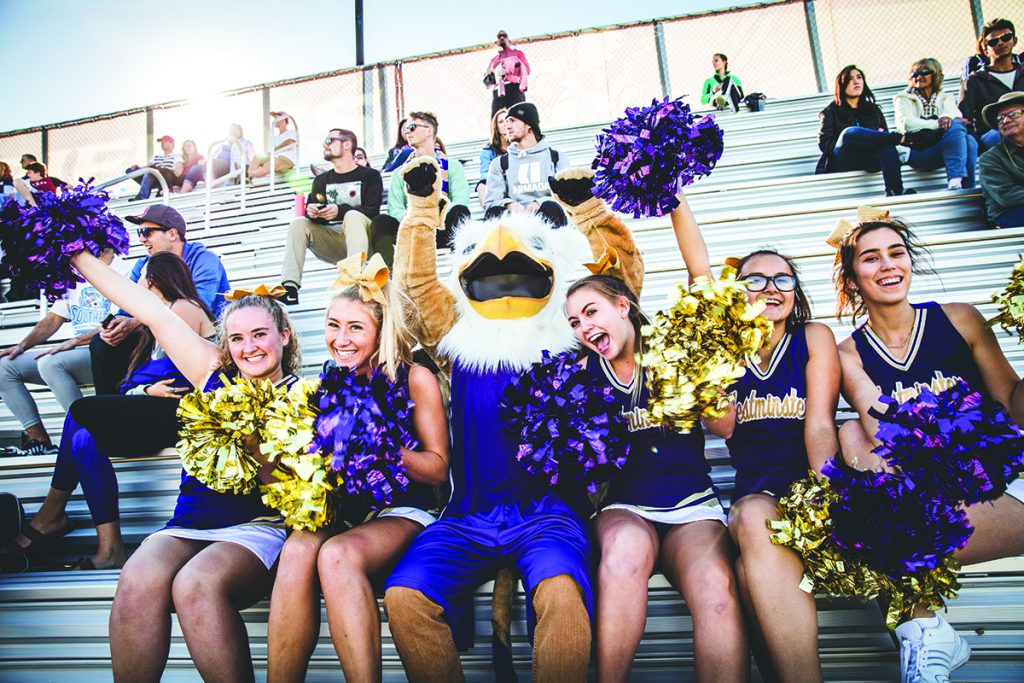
pixel 609 261
pixel 865 214
pixel 369 278
pixel 274 292
pixel 733 262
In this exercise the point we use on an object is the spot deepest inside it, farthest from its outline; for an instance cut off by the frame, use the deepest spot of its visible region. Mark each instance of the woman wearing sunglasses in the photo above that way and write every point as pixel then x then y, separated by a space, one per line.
pixel 932 127
pixel 783 424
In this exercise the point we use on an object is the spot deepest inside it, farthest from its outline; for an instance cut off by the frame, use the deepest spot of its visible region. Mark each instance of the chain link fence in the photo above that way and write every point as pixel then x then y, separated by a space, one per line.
pixel 782 48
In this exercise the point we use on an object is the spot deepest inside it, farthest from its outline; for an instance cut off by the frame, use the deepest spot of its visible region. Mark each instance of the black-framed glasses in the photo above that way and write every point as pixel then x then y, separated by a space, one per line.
pixel 411 126
pixel 1013 115
pixel 756 282
pixel 144 232
pixel 923 71
pixel 328 140
pixel 1005 38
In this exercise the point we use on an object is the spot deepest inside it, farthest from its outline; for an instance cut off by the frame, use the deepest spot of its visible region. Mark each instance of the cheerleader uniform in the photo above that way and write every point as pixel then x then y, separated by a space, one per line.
pixel 207 515
pixel 938 364
pixel 767 446
pixel 666 479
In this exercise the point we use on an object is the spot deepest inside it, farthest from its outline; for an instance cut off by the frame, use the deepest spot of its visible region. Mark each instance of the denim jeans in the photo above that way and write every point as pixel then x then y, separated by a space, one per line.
pixel 1012 218
pixel 866 149
pixel 957 150
pixel 990 139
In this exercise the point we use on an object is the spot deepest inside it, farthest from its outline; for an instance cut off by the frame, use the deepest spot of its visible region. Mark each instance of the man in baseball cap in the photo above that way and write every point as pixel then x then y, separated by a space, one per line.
pixel 161 228
pixel 167 163
pixel 1001 168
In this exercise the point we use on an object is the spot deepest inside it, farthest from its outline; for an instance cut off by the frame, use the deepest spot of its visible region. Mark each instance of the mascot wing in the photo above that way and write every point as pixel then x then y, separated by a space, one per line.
pixel 434 312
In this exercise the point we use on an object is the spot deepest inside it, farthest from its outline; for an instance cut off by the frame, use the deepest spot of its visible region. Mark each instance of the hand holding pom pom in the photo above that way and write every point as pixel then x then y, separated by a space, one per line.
pixel 647 156
pixel 570 428
pixel 40 241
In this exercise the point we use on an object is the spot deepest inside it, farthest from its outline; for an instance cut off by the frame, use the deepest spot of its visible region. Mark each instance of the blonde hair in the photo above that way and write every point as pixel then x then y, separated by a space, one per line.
pixel 394 340
pixel 291 353
pixel 935 67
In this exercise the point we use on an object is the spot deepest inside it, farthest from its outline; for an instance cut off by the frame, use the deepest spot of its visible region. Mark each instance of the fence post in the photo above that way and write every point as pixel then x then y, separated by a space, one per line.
pixel 385 116
pixel 149 133
pixel 267 141
pixel 978 16
pixel 812 35
pixel 368 137
pixel 44 145
pixel 399 92
pixel 659 41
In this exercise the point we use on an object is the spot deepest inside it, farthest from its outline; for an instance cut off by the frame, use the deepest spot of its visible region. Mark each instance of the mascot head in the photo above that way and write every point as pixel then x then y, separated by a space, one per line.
pixel 509 277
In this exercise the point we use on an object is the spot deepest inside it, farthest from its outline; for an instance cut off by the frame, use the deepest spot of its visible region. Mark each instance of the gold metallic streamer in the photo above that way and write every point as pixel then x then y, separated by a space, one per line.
pixel 698 347
pixel 1011 303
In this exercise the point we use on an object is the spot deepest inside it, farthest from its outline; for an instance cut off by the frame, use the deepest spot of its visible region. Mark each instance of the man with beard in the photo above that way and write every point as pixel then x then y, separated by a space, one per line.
pixel 340 209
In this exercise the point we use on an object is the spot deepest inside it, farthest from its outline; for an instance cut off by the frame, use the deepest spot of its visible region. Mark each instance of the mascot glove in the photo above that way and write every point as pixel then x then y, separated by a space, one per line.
pixel 423 196
pixel 568 188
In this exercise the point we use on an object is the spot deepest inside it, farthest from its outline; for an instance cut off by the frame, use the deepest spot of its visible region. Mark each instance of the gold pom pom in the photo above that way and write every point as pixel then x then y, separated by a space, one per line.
pixel 1011 303
pixel 215 428
pixel 698 347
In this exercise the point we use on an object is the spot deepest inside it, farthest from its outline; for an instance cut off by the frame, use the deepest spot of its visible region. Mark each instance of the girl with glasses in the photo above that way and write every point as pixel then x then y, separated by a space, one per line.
pixel 932 127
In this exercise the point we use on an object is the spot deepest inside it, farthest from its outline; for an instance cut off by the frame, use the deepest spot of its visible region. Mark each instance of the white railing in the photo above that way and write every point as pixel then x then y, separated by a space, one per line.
pixel 273 147
pixel 210 180
pixel 145 170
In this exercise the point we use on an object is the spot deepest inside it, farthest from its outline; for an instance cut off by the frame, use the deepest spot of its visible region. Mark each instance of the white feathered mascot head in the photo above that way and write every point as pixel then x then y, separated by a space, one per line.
pixel 510 277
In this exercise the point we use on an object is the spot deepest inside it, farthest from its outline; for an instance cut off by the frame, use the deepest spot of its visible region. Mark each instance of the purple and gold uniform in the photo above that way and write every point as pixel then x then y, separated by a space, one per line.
pixel 767 446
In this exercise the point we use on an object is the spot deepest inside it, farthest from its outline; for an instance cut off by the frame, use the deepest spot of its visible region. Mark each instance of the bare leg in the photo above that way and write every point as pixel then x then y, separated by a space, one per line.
pixel 140 616
pixel 422 636
pixel 998 531
pixel 346 564
pixel 294 624
pixel 39 433
pixel 697 558
pixel 110 553
pixel 629 546
pixel 786 615
pixel 221 579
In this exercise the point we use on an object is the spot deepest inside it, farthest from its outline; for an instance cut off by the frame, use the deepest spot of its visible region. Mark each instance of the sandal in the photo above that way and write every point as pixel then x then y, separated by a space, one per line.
pixel 38 539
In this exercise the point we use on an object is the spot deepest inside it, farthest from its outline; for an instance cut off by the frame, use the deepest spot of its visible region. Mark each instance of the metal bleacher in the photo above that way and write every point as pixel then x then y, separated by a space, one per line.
pixel 763 192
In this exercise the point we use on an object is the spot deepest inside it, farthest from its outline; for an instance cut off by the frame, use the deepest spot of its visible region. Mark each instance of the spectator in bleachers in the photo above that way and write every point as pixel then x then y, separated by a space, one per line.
pixel 507 75
pixel 399 152
pixel 167 163
pixel 518 180
pixel 236 153
pixel 1000 76
pixel 979 60
pixel 723 89
pixel 1001 169
pixel 63 368
pixel 161 228
pixel 6 181
pixel 932 127
pixel 495 147
pixel 142 421
pixel 339 210
pixel 192 159
pixel 286 149
pixel 37 183
pixel 853 135
pixel 362 158
pixel 421 132
pixel 27 159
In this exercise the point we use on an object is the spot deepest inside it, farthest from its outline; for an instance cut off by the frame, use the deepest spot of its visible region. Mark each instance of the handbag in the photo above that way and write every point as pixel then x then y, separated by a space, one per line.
pixel 922 139
pixel 489 79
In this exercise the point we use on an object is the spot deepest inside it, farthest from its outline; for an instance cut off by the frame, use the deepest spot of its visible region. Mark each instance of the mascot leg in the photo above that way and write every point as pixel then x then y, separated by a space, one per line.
pixel 422 636
pixel 561 640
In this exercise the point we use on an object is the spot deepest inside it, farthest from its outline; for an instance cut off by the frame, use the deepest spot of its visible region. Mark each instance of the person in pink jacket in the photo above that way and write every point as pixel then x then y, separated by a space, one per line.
pixel 507 74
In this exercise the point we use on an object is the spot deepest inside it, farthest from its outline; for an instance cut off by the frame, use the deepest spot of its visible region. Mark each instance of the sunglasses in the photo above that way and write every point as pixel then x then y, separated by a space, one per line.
pixel 756 282
pixel 360 155
pixel 924 71
pixel 1012 115
pixel 145 232
pixel 329 140
pixel 1005 38
pixel 410 127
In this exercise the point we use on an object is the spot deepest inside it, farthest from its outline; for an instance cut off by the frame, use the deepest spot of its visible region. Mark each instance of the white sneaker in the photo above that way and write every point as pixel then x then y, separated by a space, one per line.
pixel 928 655
pixel 904 154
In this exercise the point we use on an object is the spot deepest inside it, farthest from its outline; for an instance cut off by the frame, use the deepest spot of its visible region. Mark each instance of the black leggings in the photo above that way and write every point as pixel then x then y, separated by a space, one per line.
pixel 129 425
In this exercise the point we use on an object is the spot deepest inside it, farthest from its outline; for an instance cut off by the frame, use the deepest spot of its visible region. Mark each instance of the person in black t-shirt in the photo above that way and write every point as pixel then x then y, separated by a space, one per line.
pixel 339 210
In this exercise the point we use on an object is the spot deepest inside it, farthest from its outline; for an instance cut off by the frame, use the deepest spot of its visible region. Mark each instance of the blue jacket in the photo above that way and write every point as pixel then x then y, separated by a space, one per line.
pixel 208 273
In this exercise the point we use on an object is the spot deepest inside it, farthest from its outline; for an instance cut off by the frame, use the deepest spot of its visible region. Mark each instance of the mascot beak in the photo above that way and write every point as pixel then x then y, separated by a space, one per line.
pixel 504 280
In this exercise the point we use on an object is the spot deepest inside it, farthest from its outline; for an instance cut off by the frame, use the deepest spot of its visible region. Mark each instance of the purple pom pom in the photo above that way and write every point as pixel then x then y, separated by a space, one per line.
pixel 364 423
pixel 40 240
pixel 570 427
pixel 644 158
pixel 956 443
pixel 893 525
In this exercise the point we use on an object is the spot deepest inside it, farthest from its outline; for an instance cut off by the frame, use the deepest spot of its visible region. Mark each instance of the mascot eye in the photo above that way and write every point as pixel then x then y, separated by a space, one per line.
pixel 469 248
pixel 538 243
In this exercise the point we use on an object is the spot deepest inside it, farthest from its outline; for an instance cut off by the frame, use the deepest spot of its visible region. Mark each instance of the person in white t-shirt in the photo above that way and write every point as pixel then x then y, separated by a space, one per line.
pixel 64 368
pixel 286 148
pixel 167 162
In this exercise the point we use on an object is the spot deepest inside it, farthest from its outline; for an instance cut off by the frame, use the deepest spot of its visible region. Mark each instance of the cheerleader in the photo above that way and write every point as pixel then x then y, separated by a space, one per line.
pixel 661 509
pixel 783 424
pixel 216 553
pixel 899 349
pixel 364 329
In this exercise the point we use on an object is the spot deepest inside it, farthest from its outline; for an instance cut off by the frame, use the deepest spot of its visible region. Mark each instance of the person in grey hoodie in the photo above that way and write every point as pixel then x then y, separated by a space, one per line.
pixel 517 181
